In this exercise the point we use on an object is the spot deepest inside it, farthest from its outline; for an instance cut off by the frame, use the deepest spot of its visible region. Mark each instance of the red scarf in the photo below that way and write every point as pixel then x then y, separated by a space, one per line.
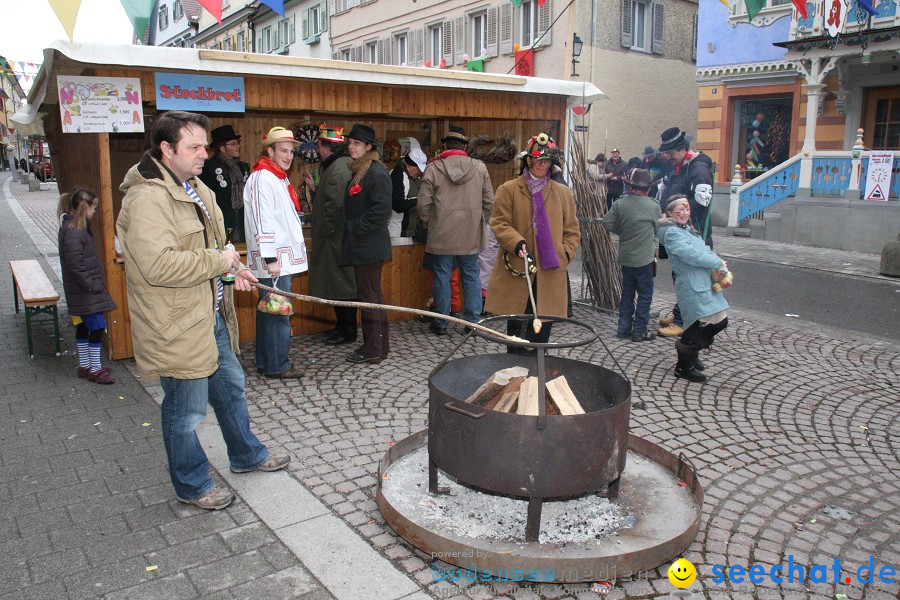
pixel 447 153
pixel 267 164
pixel 687 158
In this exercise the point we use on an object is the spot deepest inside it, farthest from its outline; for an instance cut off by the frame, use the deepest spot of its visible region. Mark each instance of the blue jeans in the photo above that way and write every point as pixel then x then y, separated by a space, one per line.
pixel 183 409
pixel 633 317
pixel 471 283
pixel 273 333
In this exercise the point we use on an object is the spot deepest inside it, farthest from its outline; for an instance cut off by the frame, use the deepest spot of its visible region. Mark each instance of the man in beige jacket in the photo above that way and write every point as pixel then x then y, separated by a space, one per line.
pixel 183 321
pixel 454 205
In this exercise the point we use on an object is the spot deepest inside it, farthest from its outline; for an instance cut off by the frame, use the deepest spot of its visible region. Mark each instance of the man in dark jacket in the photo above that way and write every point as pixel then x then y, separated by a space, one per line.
pixel 225 174
pixel 455 202
pixel 691 175
pixel 615 168
pixel 326 278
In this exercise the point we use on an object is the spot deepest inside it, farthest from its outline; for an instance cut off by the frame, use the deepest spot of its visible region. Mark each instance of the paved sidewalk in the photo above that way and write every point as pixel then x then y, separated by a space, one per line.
pixel 792 424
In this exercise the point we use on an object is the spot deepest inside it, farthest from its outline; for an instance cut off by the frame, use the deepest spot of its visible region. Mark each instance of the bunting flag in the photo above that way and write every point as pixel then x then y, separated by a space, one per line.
pixel 275 5
pixel 516 3
pixel 476 65
pixel 753 8
pixel 67 12
pixel 139 13
pixel 800 5
pixel 213 7
pixel 727 5
pixel 867 6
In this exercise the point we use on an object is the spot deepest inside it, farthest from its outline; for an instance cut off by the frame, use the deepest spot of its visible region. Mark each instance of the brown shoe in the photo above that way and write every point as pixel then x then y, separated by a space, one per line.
pixel 275 462
pixel 103 376
pixel 83 372
pixel 666 322
pixel 291 373
pixel 672 330
pixel 214 499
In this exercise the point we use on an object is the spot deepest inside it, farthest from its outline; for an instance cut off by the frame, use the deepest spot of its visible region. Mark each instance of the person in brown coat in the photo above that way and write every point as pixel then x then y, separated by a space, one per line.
pixel 518 205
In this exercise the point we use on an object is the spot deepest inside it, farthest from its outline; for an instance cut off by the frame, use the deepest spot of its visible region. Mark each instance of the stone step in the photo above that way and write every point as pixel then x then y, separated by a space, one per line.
pixel 741 232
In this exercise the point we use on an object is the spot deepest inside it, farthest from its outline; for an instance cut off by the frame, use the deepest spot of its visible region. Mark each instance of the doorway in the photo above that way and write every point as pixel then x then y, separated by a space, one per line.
pixel 881 118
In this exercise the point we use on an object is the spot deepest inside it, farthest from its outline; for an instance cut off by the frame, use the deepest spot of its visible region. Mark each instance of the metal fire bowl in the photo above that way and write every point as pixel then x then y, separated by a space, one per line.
pixel 666 524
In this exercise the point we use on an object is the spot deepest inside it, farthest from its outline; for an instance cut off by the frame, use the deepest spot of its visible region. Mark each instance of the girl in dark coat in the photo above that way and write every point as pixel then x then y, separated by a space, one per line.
pixel 83 283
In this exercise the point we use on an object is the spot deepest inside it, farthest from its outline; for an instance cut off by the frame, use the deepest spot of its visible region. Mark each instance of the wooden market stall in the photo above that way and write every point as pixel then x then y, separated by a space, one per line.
pixel 286 91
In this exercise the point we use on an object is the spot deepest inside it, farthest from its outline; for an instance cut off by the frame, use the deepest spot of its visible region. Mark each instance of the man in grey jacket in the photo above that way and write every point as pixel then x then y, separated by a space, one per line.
pixel 634 219
pixel 455 202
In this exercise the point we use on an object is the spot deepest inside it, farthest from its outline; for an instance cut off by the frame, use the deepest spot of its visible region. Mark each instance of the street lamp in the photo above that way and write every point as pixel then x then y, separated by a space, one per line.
pixel 576 51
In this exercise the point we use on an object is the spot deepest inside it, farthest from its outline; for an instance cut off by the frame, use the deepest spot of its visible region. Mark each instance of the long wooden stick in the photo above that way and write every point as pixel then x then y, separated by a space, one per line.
pixel 403 309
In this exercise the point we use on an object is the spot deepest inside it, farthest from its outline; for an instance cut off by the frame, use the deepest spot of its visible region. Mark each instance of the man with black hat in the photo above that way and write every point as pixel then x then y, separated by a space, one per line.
pixel 327 279
pixel 691 175
pixel 634 218
pixel 455 202
pixel 367 242
pixel 225 174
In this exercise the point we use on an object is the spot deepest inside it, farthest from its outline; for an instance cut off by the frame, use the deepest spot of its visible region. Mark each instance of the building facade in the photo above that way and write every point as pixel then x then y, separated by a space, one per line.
pixel 174 23
pixel 781 84
pixel 12 144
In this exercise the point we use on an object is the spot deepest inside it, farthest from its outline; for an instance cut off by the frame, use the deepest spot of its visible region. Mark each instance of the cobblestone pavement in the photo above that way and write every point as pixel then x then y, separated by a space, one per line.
pixel 792 423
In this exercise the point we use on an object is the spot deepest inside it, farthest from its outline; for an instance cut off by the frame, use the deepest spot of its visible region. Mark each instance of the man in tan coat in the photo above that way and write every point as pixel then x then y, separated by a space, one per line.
pixel 183 321
pixel 455 202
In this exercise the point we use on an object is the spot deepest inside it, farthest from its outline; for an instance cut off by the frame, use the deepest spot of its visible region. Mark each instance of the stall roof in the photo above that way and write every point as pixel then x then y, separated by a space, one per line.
pixel 241 63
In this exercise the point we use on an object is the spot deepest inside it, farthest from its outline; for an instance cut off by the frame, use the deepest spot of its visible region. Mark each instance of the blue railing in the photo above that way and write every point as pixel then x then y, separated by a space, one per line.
pixel 830 175
pixel 769 189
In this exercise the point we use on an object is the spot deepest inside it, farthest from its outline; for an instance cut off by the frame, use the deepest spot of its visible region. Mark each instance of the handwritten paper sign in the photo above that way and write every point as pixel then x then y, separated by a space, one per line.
pixel 878 177
pixel 100 104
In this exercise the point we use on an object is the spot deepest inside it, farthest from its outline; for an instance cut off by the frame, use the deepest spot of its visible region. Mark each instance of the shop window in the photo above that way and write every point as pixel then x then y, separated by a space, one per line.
pixel 762 133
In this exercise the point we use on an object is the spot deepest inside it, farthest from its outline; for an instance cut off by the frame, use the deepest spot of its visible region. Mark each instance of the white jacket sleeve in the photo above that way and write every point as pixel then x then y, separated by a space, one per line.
pixel 261 195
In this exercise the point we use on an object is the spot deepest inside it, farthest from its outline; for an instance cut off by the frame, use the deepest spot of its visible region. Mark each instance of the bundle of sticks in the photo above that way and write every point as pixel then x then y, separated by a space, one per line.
pixel 599 254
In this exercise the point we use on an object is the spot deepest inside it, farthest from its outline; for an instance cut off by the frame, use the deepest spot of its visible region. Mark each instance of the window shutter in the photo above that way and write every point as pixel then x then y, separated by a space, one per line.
pixel 506 28
pixel 357 54
pixel 379 51
pixel 292 26
pixel 335 56
pixel 419 47
pixel 323 18
pixel 627 25
pixel 447 42
pixel 545 17
pixel 696 35
pixel 459 41
pixel 258 42
pixel 332 9
pixel 304 26
pixel 492 15
pixel 658 42
pixel 386 51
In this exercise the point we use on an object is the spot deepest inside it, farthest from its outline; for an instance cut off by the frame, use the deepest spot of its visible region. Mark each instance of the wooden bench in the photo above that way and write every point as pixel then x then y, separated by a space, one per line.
pixel 38 296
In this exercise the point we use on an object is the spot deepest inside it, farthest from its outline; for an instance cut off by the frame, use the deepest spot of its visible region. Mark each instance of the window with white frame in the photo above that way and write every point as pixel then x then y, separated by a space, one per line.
pixel 315 20
pixel 477 33
pixel 163 17
pixel 772 6
pixel 177 10
pixel 284 32
pixel 530 22
pixel 435 43
pixel 266 40
pixel 346 54
pixel 401 49
pixel 241 41
pixel 229 44
pixel 371 51
pixel 640 19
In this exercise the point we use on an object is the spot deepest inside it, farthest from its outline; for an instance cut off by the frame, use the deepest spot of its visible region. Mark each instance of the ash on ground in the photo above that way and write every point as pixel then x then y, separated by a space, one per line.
pixel 473 514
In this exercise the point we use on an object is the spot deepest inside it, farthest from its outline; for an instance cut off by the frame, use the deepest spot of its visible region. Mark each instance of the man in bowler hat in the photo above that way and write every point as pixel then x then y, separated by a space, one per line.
pixel 225 174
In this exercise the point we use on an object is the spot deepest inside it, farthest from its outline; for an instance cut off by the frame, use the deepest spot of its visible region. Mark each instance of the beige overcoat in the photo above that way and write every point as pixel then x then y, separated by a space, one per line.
pixel 511 222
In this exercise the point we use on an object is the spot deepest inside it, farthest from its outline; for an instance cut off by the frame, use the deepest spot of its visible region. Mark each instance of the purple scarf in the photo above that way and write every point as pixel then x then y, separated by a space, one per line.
pixel 545 250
